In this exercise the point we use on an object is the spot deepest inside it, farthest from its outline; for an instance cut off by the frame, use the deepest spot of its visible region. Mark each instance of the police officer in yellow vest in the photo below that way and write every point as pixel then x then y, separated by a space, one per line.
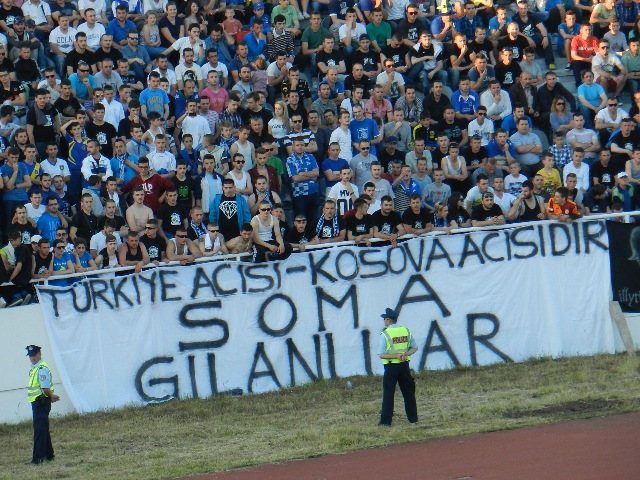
pixel 41 396
pixel 395 347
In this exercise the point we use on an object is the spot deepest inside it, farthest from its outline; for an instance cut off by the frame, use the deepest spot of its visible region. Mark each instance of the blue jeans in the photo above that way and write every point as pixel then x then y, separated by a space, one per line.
pixel 548 52
pixel 154 52
pixel 588 115
pixel 59 63
pixel 307 205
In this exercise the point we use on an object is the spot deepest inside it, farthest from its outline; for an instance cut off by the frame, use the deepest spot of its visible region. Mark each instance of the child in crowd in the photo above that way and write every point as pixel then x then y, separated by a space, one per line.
pixel 259 78
pixel 231 25
pixel 226 139
pixel 513 181
pixel 190 155
pixel 150 37
pixel 550 175
pixel 425 131
pixel 83 259
pixel 560 150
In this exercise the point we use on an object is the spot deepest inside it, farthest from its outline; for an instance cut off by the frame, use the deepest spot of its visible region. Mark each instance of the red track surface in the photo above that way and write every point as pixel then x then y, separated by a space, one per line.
pixel 606 448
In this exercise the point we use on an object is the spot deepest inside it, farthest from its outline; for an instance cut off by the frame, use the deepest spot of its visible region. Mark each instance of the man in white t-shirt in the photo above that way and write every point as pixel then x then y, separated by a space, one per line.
pixel 92 28
pixel 214 64
pixel 162 162
pixel 98 7
pixel 192 123
pixel 501 198
pixel 608 70
pixel 481 126
pixel 54 165
pixel 191 41
pixel 342 135
pixel 188 69
pixel 61 41
pixel 344 192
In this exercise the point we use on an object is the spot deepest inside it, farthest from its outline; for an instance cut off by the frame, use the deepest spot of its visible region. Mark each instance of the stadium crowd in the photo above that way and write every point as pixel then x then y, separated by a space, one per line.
pixel 137 131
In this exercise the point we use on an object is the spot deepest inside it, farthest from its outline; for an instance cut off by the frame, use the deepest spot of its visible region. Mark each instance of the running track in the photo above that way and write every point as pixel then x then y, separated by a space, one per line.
pixel 606 448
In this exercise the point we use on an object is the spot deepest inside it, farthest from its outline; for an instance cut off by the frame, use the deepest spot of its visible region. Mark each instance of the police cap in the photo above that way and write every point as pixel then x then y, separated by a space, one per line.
pixel 33 350
pixel 389 313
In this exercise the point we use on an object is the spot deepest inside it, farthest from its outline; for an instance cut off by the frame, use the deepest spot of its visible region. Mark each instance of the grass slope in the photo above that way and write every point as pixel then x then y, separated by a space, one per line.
pixel 196 436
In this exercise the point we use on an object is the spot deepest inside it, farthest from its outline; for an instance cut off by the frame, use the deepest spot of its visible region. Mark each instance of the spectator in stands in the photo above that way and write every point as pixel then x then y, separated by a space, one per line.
pixel 387 224
pixel 562 209
pixel 229 210
pixel 528 147
pixel 609 119
pixel 487 213
pixel 181 249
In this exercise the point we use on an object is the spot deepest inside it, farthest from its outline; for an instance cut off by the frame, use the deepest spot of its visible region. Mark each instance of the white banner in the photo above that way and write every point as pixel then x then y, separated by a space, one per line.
pixel 469 299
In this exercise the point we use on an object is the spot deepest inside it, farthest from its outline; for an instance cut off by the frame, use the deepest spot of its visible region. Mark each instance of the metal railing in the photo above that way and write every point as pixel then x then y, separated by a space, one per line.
pixel 245 256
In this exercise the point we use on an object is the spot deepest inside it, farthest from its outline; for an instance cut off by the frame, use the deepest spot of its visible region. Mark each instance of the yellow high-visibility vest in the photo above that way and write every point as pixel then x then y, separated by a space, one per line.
pixel 398 341
pixel 34 390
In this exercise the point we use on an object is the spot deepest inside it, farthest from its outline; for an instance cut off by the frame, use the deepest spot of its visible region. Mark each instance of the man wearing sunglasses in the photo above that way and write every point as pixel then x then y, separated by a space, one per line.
pixel 267 237
pixel 182 249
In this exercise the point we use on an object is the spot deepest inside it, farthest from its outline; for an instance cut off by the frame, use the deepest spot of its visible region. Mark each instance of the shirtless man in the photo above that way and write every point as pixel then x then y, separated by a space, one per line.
pixel 138 213
pixel 242 243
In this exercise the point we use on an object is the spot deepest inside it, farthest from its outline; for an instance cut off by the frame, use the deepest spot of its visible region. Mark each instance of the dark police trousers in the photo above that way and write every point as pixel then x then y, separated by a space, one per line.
pixel 399 373
pixel 42 447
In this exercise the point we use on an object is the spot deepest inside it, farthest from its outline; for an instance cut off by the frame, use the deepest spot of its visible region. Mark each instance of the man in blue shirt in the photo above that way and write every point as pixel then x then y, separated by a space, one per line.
pixel 153 98
pixel 256 40
pixel 501 148
pixel 119 27
pixel 16 183
pixel 136 55
pixel 49 221
pixel 303 171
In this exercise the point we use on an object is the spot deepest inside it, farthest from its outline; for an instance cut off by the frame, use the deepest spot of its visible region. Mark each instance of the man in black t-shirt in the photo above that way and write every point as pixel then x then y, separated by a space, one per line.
pixel 397 51
pixel 155 244
pixel 171 216
pixel 623 142
pixel 474 154
pixel 229 211
pixel 43 123
pixel 67 105
pixel 507 70
pixel 369 59
pixel 360 224
pixel 79 54
pixel 387 224
pixel 302 234
pixel 516 42
pixel 84 224
pixel 328 57
pixel 102 132
pixel 358 79
pixel 452 127
pixel 330 227
pixel 9 13
pixel 604 171
pixel 487 213
pixel 416 219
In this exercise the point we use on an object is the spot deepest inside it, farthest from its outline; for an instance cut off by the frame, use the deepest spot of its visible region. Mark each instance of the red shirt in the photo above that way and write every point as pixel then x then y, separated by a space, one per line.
pixel 273 179
pixel 582 48
pixel 153 186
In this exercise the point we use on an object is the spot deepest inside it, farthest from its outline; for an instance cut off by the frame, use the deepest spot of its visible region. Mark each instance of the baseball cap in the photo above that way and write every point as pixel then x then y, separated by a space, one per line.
pixel 392 139
pixel 36 238
pixel 30 23
pixel 364 36
pixel 18 20
pixel 258 6
pixel 622 175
